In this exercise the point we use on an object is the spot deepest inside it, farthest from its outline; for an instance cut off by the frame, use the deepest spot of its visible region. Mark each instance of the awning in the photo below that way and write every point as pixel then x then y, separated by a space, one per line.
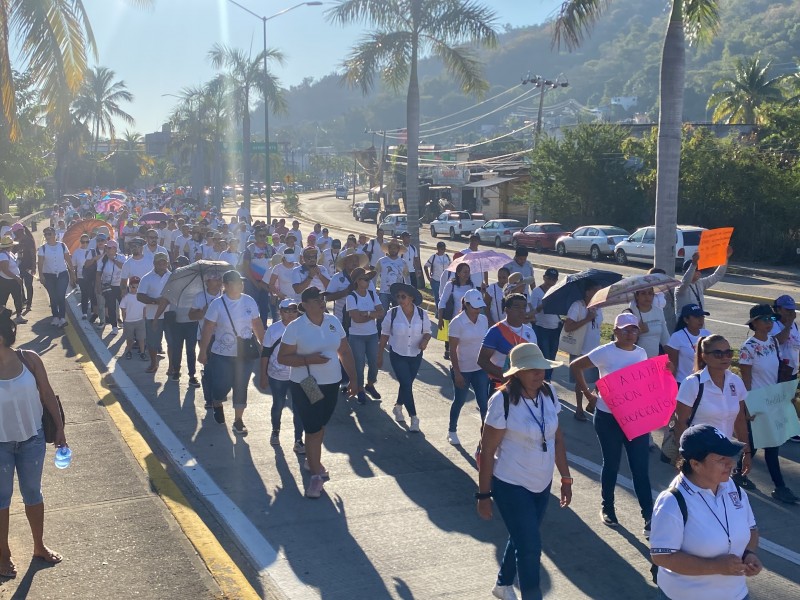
pixel 485 183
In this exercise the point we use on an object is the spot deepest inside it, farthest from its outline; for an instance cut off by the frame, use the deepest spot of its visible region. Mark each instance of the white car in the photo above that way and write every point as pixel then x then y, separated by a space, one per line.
pixel 498 231
pixel 394 224
pixel 597 241
pixel 641 246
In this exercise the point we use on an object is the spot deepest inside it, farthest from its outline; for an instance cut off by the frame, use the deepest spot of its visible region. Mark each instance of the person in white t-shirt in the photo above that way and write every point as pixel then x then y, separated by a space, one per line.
pixel 411 256
pixel 152 247
pixel 620 353
pixel 682 344
pixel 281 275
pixel 275 376
pixel 787 333
pixel 363 308
pixel 465 335
pixel 546 326
pixel 521 445
pixel 435 266
pixel 493 296
pixel 150 288
pixel 133 326
pixel 309 273
pixel 653 333
pixel 136 265
pixel 391 269
pixel 585 321
pixel 710 551
pixel 229 318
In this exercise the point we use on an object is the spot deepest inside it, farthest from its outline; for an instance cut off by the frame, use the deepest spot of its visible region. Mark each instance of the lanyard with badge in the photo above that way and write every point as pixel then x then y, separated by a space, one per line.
pixel 726 527
pixel 540 422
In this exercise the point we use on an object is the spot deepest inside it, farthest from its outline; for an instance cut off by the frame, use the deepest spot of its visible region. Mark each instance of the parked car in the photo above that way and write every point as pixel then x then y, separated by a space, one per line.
pixel 456 223
pixel 368 210
pixel 394 224
pixel 597 241
pixel 498 231
pixel 341 192
pixel 356 207
pixel 539 236
pixel 641 246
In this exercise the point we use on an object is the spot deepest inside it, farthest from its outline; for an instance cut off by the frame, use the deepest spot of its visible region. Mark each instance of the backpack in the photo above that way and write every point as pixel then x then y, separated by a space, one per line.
pixel 90 271
pixel 507 398
pixel 450 305
pixel 346 322
pixel 394 316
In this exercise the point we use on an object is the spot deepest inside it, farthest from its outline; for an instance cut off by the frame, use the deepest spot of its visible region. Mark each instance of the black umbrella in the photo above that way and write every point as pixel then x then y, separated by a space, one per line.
pixel 561 296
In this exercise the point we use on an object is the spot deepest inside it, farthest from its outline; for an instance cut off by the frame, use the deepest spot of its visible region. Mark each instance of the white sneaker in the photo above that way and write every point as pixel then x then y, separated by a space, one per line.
pixel 315 486
pixel 414 424
pixel 114 330
pixel 398 414
pixel 325 473
pixel 452 437
pixel 504 592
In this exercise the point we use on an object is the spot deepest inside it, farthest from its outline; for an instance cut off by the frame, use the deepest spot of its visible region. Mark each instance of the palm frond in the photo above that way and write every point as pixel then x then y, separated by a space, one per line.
pixel 372 53
pixel 574 20
pixel 7 97
pixel 456 22
pixel 382 14
pixel 700 20
pixel 464 66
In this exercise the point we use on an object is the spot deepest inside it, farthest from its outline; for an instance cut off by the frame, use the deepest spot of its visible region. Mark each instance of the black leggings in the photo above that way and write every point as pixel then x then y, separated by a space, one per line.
pixel 112 296
pixel 13 288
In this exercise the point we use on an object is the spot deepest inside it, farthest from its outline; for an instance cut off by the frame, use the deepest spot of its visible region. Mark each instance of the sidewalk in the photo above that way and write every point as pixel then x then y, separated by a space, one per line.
pixel 103 513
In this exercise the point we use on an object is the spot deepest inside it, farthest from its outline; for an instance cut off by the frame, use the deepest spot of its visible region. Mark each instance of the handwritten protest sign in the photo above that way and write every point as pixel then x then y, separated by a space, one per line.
pixel 713 247
pixel 642 397
pixel 775 418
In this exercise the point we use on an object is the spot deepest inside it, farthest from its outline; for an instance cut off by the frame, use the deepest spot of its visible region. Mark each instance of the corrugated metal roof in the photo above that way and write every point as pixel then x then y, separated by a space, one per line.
pixel 484 183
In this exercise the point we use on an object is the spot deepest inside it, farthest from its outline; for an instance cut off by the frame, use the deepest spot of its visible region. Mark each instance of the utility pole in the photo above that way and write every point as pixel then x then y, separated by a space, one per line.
pixel 383 154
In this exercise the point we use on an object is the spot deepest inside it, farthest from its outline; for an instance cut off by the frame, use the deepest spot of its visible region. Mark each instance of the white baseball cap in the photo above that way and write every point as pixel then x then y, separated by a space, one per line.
pixel 475 299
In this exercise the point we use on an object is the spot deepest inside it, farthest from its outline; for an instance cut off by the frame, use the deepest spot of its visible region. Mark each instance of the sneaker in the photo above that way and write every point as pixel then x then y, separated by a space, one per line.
pixel 414 424
pixel 609 517
pixel 128 355
pixel 447 354
pixel 20 320
pixel 795 439
pixel 175 376
pixel 452 437
pixel 743 482
pixel 370 389
pixel 784 494
pixel 314 489
pixel 239 427
pixel 326 476
pixel 398 414
pixel 194 382
pixel 299 447
pixel 143 355
pixel 362 397
pixel 114 330
pixel 219 414
pixel 504 592
pixel 275 438
pixel 646 530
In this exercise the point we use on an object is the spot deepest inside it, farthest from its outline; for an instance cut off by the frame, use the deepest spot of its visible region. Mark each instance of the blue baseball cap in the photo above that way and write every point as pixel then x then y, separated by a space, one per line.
pixel 698 441
pixel 693 310
pixel 786 302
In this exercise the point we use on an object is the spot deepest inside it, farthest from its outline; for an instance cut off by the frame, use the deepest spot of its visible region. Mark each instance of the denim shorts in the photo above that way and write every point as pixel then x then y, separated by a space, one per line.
pixel 27 458
pixel 155 331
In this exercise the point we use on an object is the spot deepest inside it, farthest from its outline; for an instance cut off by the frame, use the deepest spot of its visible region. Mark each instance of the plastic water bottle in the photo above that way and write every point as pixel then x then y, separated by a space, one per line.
pixel 63 457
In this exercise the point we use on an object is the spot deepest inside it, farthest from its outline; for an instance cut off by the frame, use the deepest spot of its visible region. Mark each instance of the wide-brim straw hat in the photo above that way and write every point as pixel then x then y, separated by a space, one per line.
pixel 401 248
pixel 524 357
pixel 408 289
pixel 363 259
pixel 7 241
pixel 359 272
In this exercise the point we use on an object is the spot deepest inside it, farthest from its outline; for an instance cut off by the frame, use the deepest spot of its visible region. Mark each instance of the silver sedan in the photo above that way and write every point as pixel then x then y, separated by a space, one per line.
pixel 597 241
pixel 498 231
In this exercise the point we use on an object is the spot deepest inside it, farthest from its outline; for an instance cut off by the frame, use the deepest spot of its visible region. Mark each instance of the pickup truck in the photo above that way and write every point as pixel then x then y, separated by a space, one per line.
pixel 456 223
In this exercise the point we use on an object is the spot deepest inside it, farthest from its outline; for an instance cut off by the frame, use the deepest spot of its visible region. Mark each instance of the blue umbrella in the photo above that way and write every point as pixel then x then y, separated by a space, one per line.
pixel 560 297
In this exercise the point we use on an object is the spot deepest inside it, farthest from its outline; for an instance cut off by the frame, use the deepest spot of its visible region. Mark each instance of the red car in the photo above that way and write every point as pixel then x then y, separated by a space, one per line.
pixel 539 236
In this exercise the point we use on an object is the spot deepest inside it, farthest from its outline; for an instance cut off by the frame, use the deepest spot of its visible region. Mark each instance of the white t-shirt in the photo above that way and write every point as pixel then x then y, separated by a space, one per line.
pixel 13 267
pixel 495 291
pixel 179 243
pixel 470 337
pixel 404 335
pixel 790 349
pixel 152 284
pixel 366 303
pixel 134 267
pixel 437 265
pixel 718 407
pixel 79 258
pixel 284 281
pixel 299 275
pixel 53 254
pixel 578 312
pixel 520 458
pixel 242 312
pixel 409 256
pixel 329 257
pixel 149 254
pixel 391 270
pixel 457 292
pixel 608 358
pixel 110 271
pixel 339 283
pixel 763 358
pixel 310 339
pixel 275 369
pixel 232 258
pixel 374 249
pixel 657 333
pixel 134 310
pixel 685 343
pixel 475 276
pixel 702 536
pixel 543 320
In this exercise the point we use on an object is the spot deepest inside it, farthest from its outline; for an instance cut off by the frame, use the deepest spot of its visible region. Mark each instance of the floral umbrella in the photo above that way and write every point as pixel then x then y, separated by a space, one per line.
pixel 622 292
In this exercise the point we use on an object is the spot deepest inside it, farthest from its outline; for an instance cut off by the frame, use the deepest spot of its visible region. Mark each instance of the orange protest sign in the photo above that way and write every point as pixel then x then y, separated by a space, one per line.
pixel 713 247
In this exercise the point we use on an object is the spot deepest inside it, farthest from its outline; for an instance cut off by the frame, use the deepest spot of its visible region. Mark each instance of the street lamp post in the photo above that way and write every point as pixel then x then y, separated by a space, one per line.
pixel 264 19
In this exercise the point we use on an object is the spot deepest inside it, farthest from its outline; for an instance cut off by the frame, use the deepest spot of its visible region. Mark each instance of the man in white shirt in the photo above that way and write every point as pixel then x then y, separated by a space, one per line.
pixel 521 265
pixel 243 214
pixel 546 327
pixel 296 231
pixel 411 257
pixel 152 247
pixel 150 288
pixel 435 266
pixel 309 273
pixel 136 265
pixel 324 240
pixel 374 249
pixel 479 279
pixel 391 269
pixel 330 255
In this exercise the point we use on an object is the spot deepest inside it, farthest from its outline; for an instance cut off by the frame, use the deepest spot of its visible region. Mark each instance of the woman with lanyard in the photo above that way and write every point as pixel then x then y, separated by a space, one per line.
pixel 107 282
pixel 579 316
pixel 450 300
pixel 682 344
pixel 10 278
pixel 311 346
pixel 653 333
pixel 493 296
pixel 620 353
pixel 406 328
pixel 364 309
pixel 55 273
pixel 520 445
pixel 759 357
pixel 704 538
pixel 466 334
pixel 435 267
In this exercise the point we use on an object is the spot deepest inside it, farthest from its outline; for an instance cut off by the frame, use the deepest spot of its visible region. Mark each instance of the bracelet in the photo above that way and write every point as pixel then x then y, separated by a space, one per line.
pixel 483 495
pixel 746 552
pixel 567 480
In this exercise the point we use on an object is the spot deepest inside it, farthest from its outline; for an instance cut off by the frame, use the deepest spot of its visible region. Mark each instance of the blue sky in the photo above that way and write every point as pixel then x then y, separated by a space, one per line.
pixel 161 50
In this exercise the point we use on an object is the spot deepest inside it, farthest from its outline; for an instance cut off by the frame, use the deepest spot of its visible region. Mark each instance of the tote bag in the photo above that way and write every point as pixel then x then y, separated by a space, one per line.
pixel 572 342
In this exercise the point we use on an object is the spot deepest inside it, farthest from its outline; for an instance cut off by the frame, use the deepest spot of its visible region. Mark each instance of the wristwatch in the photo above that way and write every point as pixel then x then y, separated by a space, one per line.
pixel 482 496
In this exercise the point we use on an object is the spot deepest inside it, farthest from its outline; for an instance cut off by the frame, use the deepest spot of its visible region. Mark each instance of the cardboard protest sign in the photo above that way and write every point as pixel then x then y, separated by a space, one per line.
pixel 713 247
pixel 642 397
pixel 775 417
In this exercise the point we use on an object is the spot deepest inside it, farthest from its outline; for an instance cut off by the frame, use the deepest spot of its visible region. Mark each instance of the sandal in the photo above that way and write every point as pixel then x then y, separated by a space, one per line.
pixel 8 570
pixel 581 416
pixel 52 557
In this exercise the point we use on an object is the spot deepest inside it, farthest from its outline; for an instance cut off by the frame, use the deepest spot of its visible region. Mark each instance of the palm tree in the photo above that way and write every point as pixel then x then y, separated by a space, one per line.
pixel 405 31
pixel 131 140
pixel 98 102
pixel 700 18
pixel 189 122
pixel 244 75
pixel 740 96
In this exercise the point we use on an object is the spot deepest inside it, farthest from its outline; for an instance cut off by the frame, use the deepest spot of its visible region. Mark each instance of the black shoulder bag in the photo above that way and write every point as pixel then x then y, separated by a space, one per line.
pixel 249 348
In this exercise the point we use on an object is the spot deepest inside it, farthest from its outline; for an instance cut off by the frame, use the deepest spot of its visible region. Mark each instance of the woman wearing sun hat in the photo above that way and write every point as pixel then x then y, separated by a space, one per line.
pixel 10 278
pixel 520 445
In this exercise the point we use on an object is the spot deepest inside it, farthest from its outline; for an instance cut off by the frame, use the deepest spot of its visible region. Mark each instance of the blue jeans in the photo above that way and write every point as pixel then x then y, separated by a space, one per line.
pixel 479 380
pixel 405 369
pixel 261 296
pixel 547 340
pixel 611 439
pixel 365 350
pixel 522 512
pixel 280 390
pixel 56 286
pixel 111 298
pixel 27 458
pixel 184 333
pixel 435 289
pixel 226 373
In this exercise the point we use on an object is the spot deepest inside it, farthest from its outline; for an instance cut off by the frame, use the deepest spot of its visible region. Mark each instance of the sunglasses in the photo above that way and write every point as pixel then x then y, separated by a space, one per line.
pixel 767 318
pixel 720 353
